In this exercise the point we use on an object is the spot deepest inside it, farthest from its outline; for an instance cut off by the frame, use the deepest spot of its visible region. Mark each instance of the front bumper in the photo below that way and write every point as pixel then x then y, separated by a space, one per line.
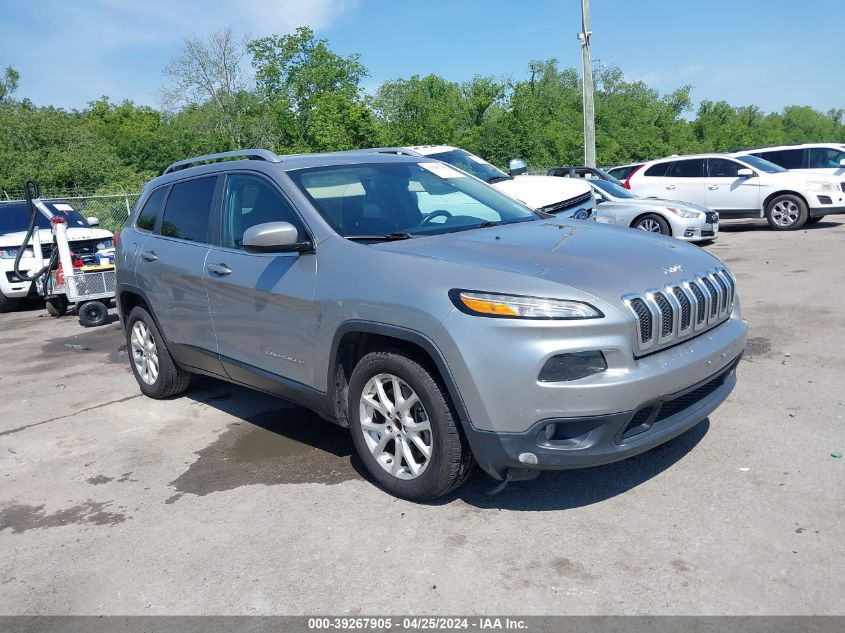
pixel 595 440
pixel 819 211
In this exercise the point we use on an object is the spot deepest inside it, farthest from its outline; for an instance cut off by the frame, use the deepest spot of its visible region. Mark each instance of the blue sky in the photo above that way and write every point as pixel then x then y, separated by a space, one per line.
pixel 770 53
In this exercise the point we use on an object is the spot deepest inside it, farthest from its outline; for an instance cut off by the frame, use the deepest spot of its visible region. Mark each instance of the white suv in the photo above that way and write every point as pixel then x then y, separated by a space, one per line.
pixel 85 242
pixel 825 158
pixel 742 186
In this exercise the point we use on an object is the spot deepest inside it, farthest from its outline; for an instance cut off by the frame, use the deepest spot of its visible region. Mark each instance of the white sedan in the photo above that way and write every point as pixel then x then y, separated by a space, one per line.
pixel 684 220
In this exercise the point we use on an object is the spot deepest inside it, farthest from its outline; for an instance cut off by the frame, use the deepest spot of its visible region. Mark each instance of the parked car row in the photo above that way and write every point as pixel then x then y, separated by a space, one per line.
pixel 789 186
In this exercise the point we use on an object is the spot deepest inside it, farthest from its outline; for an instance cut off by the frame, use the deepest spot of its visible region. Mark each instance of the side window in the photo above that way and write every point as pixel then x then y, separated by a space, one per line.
pixel 152 209
pixel 188 208
pixel 825 158
pixel 722 168
pixel 692 168
pixel 786 158
pixel 659 170
pixel 250 200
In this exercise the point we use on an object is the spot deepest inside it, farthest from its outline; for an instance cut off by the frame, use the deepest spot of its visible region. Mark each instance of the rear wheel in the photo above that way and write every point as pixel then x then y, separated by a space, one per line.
pixel 653 223
pixel 7 304
pixel 157 375
pixel 786 212
pixel 404 427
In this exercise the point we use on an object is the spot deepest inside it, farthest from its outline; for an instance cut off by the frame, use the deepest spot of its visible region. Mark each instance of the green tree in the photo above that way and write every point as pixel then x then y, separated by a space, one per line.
pixel 8 83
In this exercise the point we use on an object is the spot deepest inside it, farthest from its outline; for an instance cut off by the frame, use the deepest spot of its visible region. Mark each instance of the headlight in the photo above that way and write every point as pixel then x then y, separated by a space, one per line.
pixel 11 253
pixel 490 304
pixel 690 214
pixel 818 185
pixel 105 244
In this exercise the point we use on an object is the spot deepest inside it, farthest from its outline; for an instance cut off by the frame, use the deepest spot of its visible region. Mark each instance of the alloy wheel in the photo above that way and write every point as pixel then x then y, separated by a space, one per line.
pixel 649 225
pixel 785 213
pixel 144 353
pixel 396 427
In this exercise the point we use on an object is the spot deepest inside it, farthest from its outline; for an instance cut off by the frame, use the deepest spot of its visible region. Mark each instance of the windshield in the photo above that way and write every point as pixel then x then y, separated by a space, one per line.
pixel 471 164
pixel 14 217
pixel 761 163
pixel 612 188
pixel 397 200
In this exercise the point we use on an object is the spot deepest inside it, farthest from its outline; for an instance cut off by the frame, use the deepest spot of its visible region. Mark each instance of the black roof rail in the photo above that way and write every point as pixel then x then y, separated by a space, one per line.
pixel 250 154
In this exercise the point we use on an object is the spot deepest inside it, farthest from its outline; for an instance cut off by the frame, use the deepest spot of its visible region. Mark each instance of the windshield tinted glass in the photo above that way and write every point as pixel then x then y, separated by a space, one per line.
pixel 761 164
pixel 15 217
pixel 379 199
pixel 471 164
pixel 613 189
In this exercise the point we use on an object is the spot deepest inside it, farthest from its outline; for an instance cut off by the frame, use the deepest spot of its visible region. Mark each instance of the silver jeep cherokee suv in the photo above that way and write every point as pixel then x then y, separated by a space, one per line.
pixel 479 331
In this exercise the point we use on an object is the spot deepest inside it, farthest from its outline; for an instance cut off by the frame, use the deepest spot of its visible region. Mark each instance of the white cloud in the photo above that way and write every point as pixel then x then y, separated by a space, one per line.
pixel 79 51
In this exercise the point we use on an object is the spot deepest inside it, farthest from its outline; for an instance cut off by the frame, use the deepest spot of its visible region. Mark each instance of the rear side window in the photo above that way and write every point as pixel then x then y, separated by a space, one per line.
pixel 152 210
pixel 723 168
pixel 188 208
pixel 786 158
pixel 825 157
pixel 692 168
pixel 659 170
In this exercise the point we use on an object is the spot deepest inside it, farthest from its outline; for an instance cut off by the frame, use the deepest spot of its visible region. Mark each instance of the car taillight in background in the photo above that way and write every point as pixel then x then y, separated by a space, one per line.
pixel 116 235
pixel 627 183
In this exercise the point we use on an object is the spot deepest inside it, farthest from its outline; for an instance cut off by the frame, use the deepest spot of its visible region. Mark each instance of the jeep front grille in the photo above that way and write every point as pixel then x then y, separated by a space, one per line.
pixel 666 316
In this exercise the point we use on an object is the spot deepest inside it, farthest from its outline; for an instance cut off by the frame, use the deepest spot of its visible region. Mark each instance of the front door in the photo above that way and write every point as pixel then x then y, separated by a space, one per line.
pixel 729 193
pixel 262 304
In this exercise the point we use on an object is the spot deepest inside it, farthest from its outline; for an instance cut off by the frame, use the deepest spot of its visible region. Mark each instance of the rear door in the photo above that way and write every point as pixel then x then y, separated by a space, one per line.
pixel 262 304
pixel 684 180
pixel 787 158
pixel 727 192
pixel 170 270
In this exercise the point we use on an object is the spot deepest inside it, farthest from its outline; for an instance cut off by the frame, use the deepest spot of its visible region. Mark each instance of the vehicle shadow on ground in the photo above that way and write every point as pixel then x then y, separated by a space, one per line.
pixel 567 489
pixel 762 225
pixel 286 431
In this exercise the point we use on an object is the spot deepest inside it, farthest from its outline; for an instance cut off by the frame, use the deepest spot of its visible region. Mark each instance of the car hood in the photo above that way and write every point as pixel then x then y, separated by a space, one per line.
pixel 75 234
pixel 541 191
pixel 650 203
pixel 799 178
pixel 600 260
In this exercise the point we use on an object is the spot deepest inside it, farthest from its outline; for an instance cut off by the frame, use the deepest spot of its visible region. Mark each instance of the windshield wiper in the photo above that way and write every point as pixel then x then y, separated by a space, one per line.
pixel 490 181
pixel 486 223
pixel 390 237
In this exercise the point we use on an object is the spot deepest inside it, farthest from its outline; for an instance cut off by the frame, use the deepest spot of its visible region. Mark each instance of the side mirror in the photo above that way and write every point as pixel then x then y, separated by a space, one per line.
pixel 92 221
pixel 842 163
pixel 600 198
pixel 517 167
pixel 745 172
pixel 274 237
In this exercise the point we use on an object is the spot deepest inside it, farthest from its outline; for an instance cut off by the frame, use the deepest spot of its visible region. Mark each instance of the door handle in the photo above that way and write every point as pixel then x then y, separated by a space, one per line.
pixel 219 269
pixel 712 187
pixel 670 186
pixel 149 256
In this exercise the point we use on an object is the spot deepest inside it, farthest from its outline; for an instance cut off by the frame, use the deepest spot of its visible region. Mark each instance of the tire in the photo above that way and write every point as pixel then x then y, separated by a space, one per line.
pixel 652 223
pixel 7 304
pixel 815 220
pixel 169 379
pixel 786 212
pixel 92 313
pixel 56 306
pixel 450 460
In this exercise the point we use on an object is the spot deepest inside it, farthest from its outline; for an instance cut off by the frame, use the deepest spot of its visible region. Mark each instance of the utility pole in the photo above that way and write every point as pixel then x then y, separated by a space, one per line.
pixel 587 87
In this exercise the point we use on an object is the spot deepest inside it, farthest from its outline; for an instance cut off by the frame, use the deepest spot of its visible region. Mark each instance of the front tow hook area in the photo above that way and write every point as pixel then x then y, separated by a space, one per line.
pixel 514 474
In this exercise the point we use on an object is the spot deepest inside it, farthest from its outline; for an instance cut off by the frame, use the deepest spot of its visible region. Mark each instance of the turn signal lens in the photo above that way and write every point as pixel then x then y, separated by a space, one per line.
pixel 517 307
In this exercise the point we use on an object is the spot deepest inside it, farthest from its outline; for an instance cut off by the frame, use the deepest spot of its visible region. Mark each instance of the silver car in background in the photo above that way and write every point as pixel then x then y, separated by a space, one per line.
pixel 684 220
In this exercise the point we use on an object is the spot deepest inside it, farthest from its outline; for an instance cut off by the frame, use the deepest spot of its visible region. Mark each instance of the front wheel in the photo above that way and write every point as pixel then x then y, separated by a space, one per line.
pixel 7 304
pixel 786 212
pixel 404 427
pixel 653 223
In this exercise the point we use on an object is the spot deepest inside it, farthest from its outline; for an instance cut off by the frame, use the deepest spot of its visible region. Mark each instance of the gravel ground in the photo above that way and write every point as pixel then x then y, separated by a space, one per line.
pixel 227 501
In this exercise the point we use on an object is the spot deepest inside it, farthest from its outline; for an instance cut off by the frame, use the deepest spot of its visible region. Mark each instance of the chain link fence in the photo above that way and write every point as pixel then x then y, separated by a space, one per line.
pixel 110 210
